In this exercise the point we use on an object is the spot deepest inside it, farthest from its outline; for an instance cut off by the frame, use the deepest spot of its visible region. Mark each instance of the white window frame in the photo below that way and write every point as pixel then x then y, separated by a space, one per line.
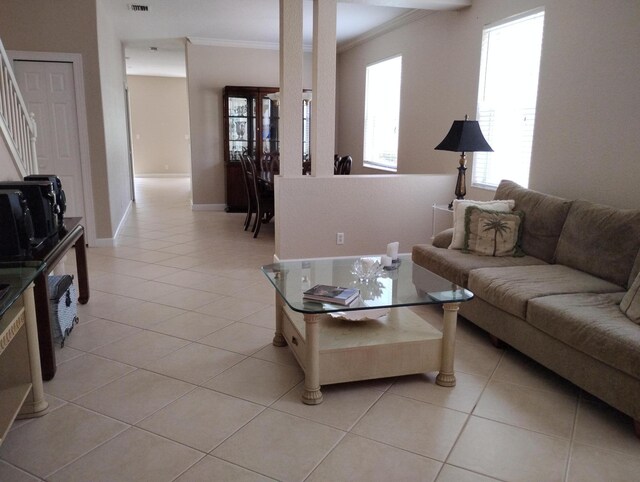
pixel 382 118
pixel 507 119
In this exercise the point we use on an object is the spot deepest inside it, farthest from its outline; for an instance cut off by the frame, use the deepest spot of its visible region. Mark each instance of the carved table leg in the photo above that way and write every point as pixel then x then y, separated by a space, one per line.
pixel 278 339
pixel 446 377
pixel 312 394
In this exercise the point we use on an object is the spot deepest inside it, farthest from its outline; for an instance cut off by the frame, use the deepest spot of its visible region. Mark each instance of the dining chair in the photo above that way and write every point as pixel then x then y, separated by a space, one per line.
pixel 344 166
pixel 264 200
pixel 251 203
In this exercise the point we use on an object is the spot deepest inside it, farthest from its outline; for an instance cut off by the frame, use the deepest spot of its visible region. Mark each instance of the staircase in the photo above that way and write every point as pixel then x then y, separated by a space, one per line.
pixel 17 126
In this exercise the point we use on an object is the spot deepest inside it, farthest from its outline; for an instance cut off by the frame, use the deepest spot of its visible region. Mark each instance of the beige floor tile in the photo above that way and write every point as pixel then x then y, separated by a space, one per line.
pixel 187 298
pixel 279 445
pixel 134 455
pixel 476 359
pixel 150 290
pixel 276 354
pixel 83 374
pixel 145 315
pixel 135 396
pixel 419 427
pixel 520 370
pixel 344 404
pixel 141 348
pixel 600 425
pixel 181 262
pixel 551 413
pixel 266 318
pixel 593 464
pixel 202 419
pixel 462 397
pixel 9 473
pixel 232 308
pixel 359 459
pixel 449 473
pixel 66 353
pixel 510 453
pixel 212 468
pixel 240 337
pixel 97 333
pixel 102 304
pixel 259 381
pixel 191 325
pixel 149 271
pixel 114 283
pixel 195 363
pixel 52 441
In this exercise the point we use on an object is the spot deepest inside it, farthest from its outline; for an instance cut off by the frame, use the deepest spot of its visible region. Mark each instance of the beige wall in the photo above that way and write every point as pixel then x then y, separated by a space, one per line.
pixel 159 125
pixel 67 26
pixel 588 118
pixel 209 70
pixel 112 80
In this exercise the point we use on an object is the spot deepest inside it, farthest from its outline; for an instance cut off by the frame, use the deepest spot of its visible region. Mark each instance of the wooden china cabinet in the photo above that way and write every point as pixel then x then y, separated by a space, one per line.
pixel 251 124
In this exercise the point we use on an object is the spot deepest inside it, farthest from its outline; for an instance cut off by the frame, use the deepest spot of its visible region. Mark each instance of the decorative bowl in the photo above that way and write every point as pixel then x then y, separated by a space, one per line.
pixel 367 269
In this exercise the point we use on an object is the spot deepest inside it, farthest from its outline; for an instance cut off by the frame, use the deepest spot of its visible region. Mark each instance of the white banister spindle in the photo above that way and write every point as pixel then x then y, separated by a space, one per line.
pixel 17 126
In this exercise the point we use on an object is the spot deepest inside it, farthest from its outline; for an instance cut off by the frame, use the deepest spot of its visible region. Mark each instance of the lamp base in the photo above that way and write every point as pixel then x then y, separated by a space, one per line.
pixel 461 183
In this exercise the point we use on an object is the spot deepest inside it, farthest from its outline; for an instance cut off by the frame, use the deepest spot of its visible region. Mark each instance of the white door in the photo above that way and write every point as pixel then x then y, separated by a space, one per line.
pixel 49 92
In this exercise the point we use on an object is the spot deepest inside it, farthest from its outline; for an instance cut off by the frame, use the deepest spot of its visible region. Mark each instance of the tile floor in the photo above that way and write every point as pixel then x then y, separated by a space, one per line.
pixel 171 375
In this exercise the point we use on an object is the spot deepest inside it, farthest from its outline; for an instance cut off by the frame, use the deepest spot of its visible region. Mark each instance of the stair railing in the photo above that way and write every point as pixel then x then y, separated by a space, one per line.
pixel 17 125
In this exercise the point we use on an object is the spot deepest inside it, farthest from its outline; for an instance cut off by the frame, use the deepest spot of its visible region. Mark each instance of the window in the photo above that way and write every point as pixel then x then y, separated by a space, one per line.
pixel 382 114
pixel 507 95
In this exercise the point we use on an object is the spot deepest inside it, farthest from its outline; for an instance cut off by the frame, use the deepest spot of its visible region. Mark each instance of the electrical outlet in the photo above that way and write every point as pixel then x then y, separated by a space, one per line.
pixel 339 238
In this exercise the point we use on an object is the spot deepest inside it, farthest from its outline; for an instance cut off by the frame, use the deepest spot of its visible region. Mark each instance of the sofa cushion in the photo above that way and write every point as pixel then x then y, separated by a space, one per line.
pixel 630 304
pixel 544 216
pixel 443 238
pixel 455 265
pixel 511 288
pixel 459 210
pixel 592 324
pixel 492 233
pixel 600 240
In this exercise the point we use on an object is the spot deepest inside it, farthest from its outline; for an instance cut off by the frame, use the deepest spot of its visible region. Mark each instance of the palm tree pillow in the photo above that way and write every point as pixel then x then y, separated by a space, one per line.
pixel 492 233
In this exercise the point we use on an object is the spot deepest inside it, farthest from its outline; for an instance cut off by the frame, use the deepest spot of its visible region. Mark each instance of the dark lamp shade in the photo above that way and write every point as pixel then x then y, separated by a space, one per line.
pixel 464 136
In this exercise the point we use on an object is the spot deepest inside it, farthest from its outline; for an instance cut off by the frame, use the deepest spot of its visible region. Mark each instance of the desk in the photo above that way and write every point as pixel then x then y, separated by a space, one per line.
pixel 21 391
pixel 52 256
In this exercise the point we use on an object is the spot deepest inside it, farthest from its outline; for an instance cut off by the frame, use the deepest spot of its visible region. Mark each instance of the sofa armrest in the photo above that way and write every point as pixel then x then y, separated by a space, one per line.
pixel 443 239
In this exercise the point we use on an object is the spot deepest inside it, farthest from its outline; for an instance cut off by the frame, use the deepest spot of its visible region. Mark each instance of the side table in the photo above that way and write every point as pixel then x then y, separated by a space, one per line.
pixel 442 219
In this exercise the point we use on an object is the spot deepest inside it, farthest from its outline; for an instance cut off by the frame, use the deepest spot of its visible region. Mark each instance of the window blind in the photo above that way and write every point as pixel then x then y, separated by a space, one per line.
pixel 507 95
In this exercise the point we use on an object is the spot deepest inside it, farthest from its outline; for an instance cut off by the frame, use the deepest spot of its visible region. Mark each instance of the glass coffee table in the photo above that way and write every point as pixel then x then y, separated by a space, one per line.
pixel 333 347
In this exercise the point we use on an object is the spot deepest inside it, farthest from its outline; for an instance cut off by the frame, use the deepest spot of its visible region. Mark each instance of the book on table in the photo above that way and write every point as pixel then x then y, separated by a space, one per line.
pixel 331 294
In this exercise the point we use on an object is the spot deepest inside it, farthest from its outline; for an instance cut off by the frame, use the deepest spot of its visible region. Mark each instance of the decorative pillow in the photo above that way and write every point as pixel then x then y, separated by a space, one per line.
pixel 630 304
pixel 492 233
pixel 459 206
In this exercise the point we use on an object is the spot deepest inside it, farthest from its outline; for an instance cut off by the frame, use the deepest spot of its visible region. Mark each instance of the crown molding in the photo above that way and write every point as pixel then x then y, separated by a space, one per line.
pixel 242 44
pixel 393 24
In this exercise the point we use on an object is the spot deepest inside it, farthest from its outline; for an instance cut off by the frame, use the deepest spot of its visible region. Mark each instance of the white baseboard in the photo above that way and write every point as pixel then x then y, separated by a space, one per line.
pixel 207 207
pixel 111 242
pixel 164 174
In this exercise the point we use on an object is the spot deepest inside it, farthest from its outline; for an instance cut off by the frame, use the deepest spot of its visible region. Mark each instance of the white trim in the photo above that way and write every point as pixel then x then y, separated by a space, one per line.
pixel 104 243
pixel 241 44
pixel 513 18
pixel 399 21
pixel 83 130
pixel 208 207
pixel 123 219
pixel 278 260
pixel 162 174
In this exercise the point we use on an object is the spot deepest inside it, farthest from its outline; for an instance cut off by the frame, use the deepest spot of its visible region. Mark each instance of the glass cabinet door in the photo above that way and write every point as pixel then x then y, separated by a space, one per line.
pixel 270 116
pixel 242 126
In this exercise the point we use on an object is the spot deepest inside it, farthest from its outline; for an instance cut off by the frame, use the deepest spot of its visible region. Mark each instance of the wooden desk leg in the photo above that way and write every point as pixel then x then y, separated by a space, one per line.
pixel 43 318
pixel 446 377
pixel 312 394
pixel 278 338
pixel 35 405
pixel 83 275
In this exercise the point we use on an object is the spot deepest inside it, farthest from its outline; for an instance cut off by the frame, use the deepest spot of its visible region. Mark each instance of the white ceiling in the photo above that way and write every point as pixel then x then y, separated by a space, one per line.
pixel 168 23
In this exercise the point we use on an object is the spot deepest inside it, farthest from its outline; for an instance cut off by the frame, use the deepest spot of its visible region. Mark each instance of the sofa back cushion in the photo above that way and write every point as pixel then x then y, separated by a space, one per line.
pixel 600 240
pixel 544 216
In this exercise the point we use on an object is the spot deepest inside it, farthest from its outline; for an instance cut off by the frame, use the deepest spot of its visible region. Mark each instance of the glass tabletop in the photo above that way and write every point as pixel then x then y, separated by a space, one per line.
pixel 15 277
pixel 406 285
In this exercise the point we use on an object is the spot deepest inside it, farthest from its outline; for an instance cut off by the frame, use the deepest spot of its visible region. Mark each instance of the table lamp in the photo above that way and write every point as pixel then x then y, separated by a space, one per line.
pixel 464 136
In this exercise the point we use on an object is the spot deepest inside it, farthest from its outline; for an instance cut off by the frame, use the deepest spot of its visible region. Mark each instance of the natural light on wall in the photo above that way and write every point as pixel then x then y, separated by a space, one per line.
pixel 382 114
pixel 507 95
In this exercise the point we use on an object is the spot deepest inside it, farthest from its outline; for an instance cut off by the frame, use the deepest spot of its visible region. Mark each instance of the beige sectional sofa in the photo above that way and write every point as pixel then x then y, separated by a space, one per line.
pixel 559 303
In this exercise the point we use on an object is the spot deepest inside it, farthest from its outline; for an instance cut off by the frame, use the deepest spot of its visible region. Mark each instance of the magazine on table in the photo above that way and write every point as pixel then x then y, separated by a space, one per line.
pixel 331 294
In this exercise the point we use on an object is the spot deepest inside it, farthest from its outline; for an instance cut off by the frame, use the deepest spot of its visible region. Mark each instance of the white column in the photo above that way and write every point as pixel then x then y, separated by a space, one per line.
pixel 323 106
pixel 291 76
